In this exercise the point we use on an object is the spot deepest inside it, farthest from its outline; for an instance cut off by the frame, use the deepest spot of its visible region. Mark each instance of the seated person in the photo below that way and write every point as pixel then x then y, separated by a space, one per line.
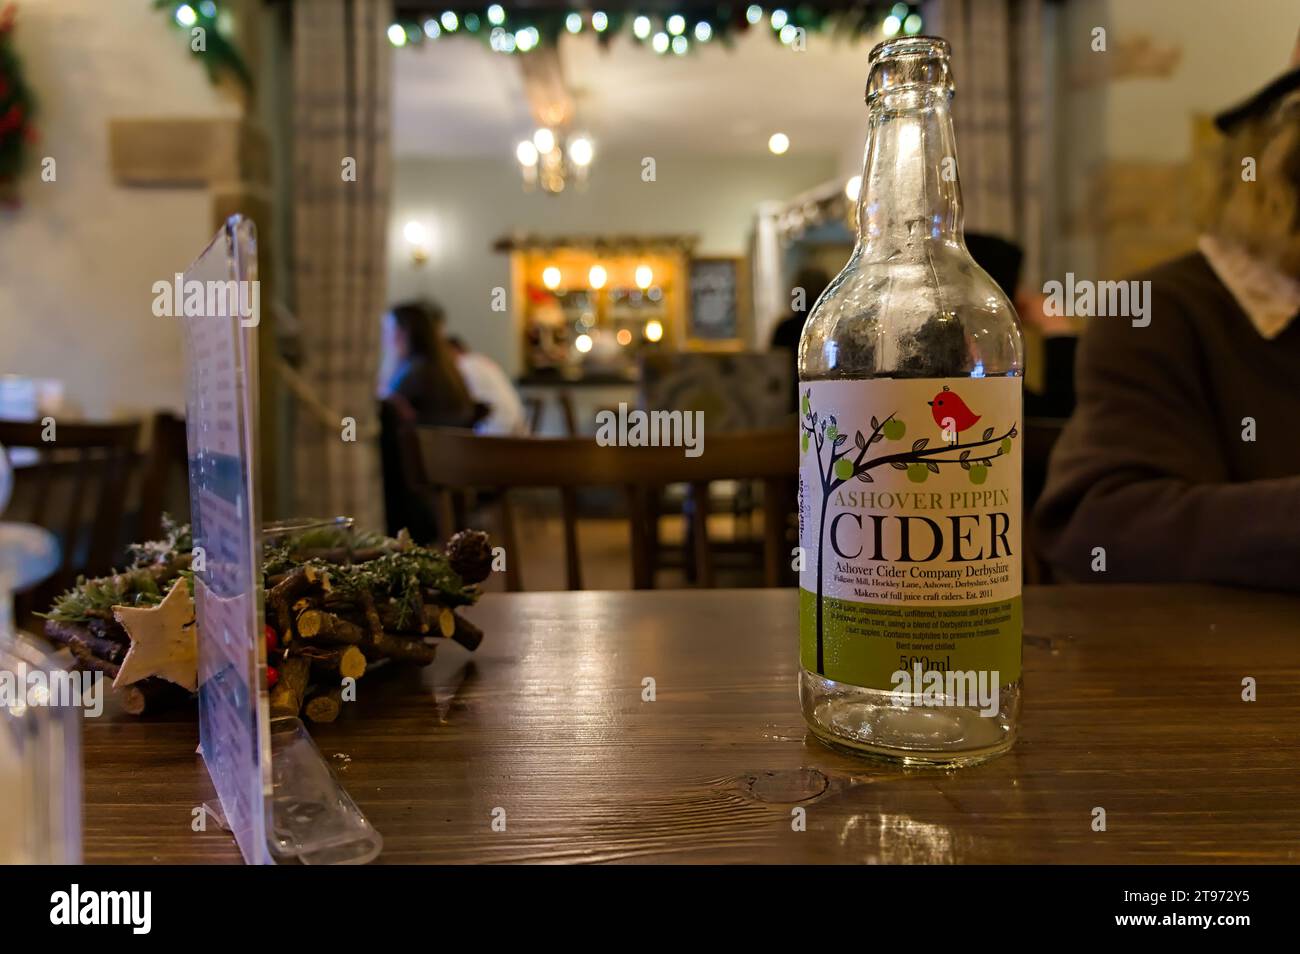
pixel 490 386
pixel 420 378
pixel 419 384
pixel 1060 344
pixel 1181 460
pixel 788 330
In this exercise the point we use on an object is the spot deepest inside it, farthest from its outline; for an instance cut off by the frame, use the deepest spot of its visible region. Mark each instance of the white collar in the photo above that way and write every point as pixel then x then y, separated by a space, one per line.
pixel 1269 298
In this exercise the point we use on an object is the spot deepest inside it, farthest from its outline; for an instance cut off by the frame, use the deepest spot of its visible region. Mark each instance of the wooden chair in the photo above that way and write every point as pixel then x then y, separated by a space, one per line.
pixel 164 476
pixel 533 408
pixel 75 486
pixel 443 461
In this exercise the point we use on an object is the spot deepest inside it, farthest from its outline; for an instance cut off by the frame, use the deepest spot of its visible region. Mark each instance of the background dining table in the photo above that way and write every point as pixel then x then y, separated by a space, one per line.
pixel 1133 704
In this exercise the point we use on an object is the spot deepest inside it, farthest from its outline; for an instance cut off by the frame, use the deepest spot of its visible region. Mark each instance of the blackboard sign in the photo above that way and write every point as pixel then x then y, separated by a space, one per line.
pixel 718 302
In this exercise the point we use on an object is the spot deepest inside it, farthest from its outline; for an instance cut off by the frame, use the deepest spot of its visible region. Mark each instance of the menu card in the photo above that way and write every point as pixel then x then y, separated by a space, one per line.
pixel 221 425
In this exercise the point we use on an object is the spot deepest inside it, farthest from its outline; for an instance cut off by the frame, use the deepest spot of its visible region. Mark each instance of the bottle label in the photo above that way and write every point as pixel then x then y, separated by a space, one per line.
pixel 909 523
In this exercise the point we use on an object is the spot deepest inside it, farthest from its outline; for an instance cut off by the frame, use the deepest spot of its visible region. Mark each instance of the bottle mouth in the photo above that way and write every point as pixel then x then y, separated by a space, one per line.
pixel 911 46
pixel 912 62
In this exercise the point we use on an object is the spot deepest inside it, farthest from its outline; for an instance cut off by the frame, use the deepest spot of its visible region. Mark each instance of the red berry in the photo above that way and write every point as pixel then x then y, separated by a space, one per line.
pixel 272 677
pixel 272 642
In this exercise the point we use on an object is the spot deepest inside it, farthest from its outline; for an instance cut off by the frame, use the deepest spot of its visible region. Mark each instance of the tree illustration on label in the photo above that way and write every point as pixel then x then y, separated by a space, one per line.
pixel 950 413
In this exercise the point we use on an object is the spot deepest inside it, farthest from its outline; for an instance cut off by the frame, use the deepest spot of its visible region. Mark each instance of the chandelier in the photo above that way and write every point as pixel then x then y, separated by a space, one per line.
pixel 552 161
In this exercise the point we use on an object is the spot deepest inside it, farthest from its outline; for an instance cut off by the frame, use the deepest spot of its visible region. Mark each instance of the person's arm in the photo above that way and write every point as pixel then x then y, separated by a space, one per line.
pixel 1140 470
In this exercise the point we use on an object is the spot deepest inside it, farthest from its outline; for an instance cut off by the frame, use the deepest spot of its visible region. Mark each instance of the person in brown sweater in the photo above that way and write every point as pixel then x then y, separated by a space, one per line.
pixel 1182 460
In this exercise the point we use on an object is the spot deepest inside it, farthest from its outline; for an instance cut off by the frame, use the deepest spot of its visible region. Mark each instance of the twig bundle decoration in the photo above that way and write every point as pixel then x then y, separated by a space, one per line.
pixel 337 604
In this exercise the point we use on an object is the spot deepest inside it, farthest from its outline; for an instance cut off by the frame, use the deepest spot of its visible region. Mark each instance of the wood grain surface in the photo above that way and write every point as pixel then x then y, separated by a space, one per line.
pixel 1132 703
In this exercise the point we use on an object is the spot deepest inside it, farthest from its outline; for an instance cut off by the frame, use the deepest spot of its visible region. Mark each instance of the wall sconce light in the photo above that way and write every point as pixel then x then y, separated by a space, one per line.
pixel 417 240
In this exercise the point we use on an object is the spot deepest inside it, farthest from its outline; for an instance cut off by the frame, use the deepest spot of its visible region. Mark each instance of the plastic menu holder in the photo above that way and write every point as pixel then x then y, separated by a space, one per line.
pixel 40 755
pixel 279 798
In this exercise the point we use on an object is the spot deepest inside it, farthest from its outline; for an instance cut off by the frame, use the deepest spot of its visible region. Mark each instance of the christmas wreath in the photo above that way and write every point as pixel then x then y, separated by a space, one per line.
pixel 337 604
pixel 16 107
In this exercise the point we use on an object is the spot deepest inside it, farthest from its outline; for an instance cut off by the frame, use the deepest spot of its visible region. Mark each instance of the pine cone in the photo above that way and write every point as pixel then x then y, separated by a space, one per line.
pixel 470 555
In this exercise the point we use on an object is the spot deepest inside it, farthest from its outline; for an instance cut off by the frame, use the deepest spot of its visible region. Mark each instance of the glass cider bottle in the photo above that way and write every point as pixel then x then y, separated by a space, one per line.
pixel 910 467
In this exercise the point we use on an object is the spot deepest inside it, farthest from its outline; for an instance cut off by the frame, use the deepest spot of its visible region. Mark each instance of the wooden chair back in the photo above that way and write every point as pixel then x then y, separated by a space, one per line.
pixel 164 477
pixel 75 486
pixel 441 461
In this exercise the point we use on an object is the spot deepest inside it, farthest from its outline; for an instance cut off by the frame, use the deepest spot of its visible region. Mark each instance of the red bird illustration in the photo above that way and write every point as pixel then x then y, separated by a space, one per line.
pixel 951 414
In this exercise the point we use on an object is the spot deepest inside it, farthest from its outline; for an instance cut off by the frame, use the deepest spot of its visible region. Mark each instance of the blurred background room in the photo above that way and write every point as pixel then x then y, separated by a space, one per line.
pixel 511 217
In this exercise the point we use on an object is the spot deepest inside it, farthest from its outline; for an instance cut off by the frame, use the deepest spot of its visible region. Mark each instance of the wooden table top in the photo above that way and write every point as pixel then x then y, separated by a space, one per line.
pixel 1133 703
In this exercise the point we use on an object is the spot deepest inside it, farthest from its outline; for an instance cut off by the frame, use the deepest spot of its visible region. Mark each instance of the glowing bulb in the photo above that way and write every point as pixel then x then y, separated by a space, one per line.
pixel 891 26
pixel 526 39
pixel 573 22
pixel 502 40
pixel 753 13
pixel 449 21
pixel 660 43
pixel 186 17
pixel 597 276
pixel 676 24
pixel 853 188
pixel 703 32
pixel 899 10
pixel 912 25
pixel 526 153
pixel 544 140
pixel 681 45
pixel 396 33
pixel 416 233
pixel 431 29
pixel 581 151
pixel 779 19
pixel 624 337
pixel 208 9
pixel 551 277
pixel 496 14
pixel 654 330
pixel 599 21
pixel 778 144
pixel 788 33
pixel 582 343
pixel 641 27
pixel 645 276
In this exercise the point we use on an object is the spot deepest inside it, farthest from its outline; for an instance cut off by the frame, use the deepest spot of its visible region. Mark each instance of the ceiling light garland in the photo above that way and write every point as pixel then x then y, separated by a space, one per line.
pixel 664 28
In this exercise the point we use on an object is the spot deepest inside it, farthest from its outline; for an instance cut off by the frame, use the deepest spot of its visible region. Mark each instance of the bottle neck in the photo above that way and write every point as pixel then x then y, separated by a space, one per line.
pixel 910 199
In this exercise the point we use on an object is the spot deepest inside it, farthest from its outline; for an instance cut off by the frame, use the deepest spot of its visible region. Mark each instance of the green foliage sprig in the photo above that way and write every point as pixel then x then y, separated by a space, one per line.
pixel 402 572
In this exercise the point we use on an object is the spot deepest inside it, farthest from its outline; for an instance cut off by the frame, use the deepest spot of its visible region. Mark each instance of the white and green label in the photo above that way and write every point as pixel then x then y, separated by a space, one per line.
pixel 909 519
